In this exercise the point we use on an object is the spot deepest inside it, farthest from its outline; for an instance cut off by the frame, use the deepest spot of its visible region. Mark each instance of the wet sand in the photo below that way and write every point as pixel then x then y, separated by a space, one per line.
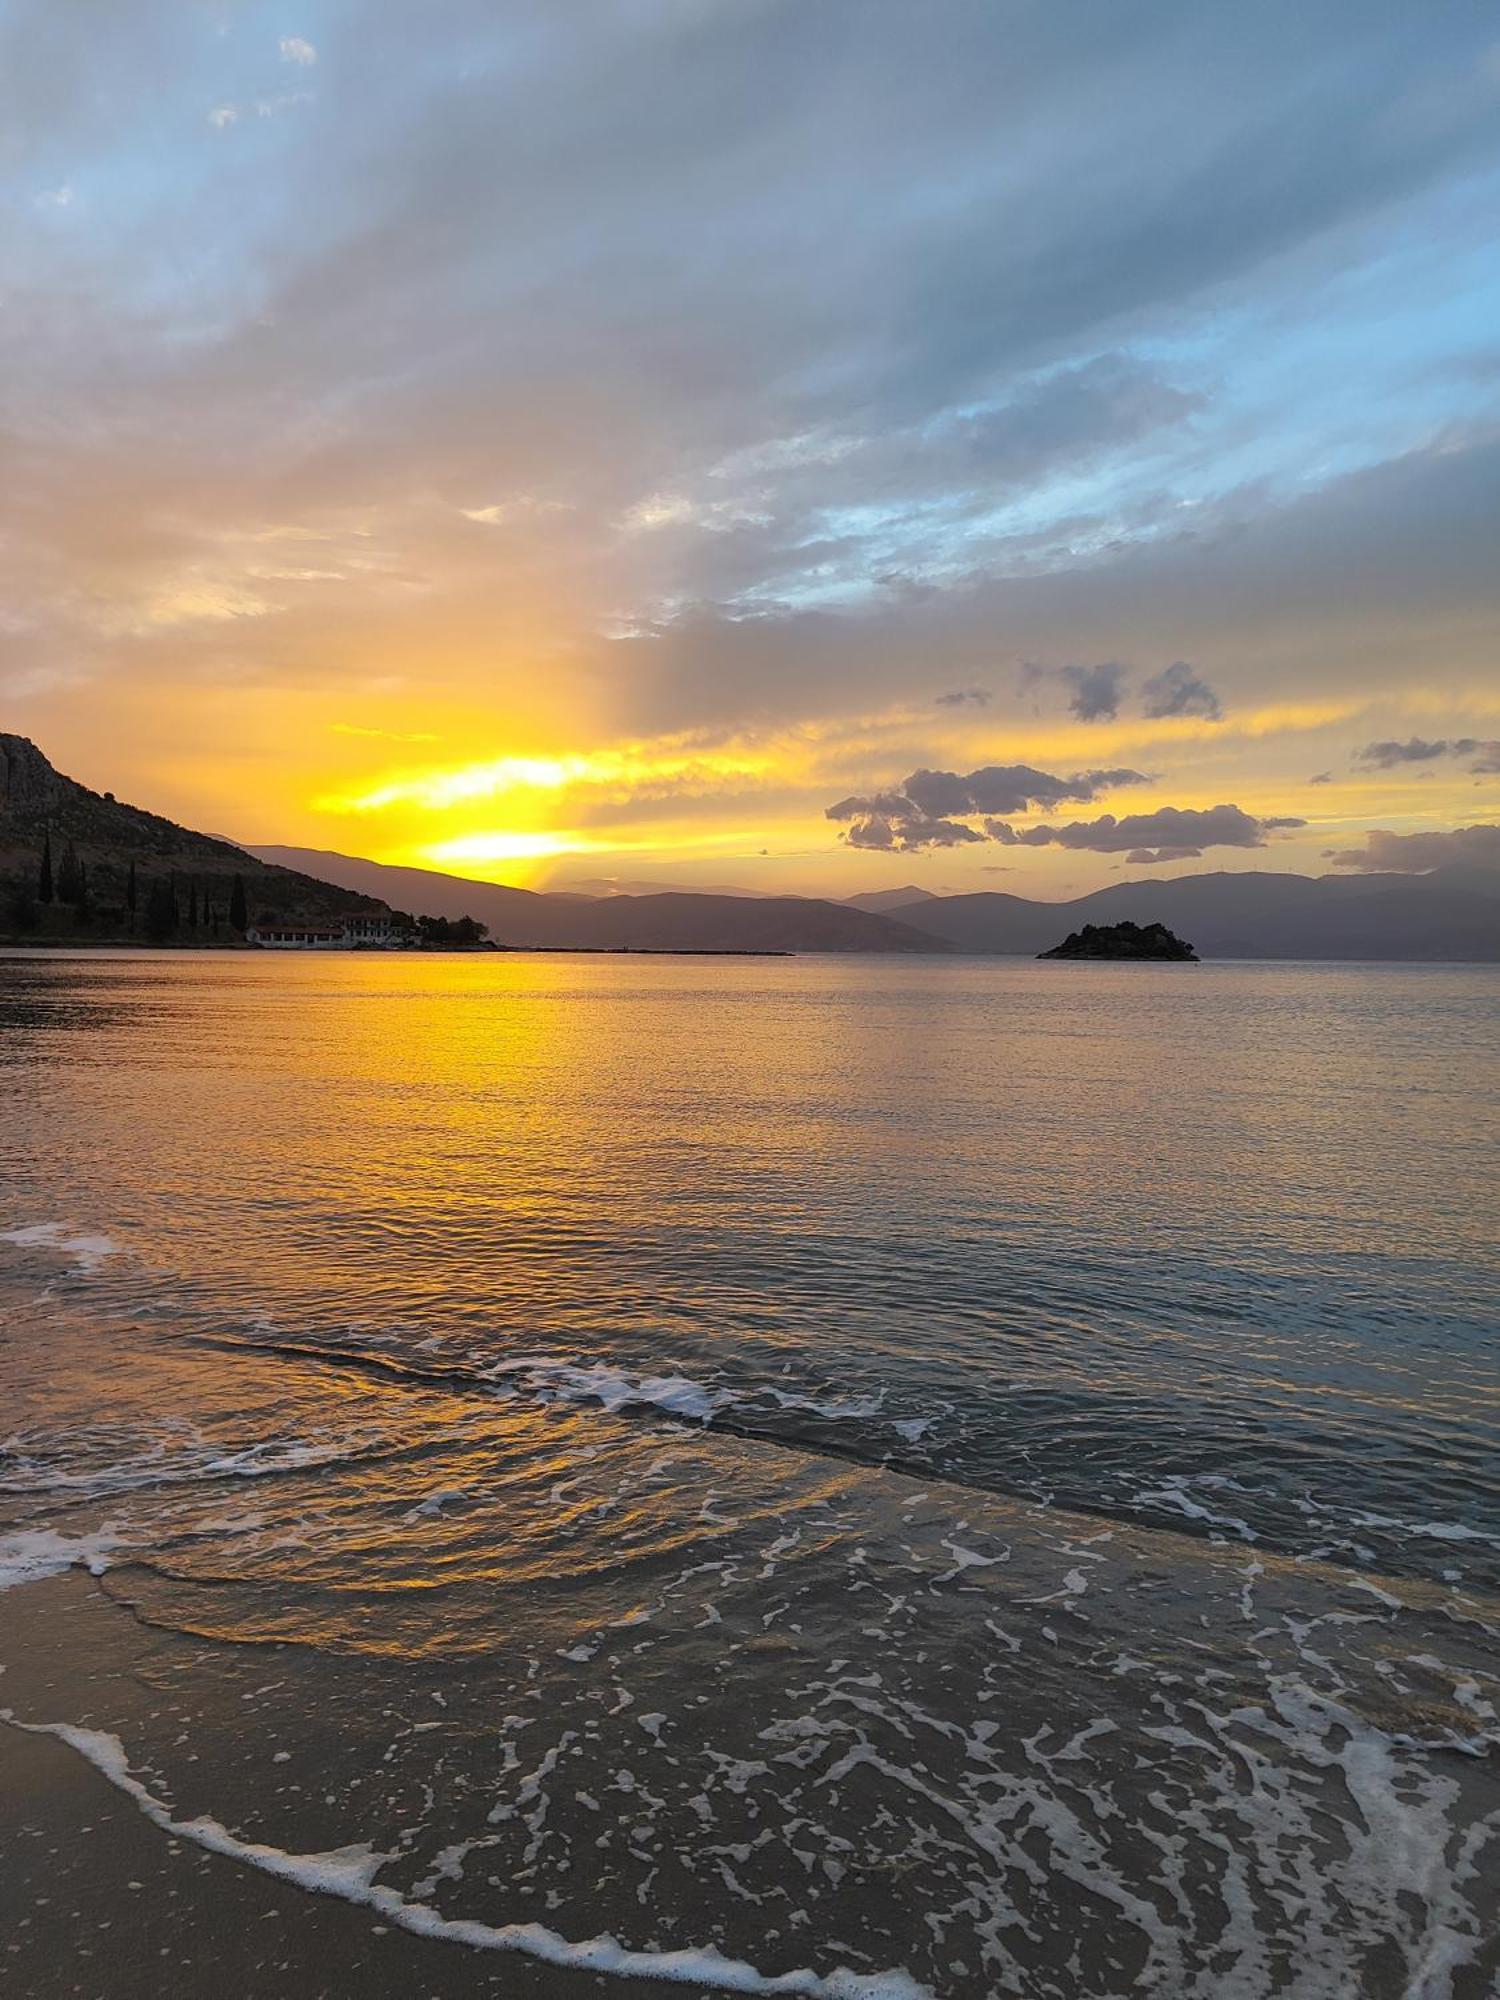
pixel 100 1904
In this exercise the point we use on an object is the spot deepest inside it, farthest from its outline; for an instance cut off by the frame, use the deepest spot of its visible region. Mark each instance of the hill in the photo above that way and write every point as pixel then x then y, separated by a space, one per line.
pixel 1445 915
pixel 882 900
pixel 44 812
pixel 675 920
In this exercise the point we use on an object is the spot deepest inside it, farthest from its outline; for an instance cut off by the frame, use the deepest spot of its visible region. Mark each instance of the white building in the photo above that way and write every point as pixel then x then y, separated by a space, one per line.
pixel 366 929
pixel 295 937
pixel 370 927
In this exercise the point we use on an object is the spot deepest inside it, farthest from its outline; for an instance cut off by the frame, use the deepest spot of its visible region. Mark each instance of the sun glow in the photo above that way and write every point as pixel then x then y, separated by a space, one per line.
pixel 485 847
pixel 632 771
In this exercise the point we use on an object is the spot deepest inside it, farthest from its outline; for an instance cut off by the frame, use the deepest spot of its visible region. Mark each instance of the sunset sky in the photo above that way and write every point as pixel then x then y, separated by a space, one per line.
pixel 805 445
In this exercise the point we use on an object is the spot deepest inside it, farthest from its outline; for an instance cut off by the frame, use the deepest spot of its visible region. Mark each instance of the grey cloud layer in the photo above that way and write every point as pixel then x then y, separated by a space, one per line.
pixel 1415 853
pixel 1419 750
pixel 1097 693
pixel 929 808
pixel 1172 833
pixel 1094 691
pixel 926 809
pixel 1178 690
pixel 934 808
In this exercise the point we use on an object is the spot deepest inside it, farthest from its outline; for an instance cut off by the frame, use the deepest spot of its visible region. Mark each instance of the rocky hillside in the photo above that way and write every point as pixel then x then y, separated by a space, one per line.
pixel 102 856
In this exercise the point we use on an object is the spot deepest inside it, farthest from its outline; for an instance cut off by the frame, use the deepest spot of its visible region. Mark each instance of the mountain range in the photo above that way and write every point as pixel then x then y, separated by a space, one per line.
pixel 1451 913
pixel 671 920
pixel 1448 914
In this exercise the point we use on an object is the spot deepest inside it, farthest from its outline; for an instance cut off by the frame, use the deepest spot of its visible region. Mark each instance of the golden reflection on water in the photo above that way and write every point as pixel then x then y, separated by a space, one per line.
pixel 1069 1222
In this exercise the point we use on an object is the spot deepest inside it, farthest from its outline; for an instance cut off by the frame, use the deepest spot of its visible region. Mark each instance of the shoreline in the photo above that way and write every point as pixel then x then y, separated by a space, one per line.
pixel 45 945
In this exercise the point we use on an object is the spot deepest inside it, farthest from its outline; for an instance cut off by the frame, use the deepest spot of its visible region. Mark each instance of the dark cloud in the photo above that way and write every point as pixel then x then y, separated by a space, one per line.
pixel 1385 852
pixel 926 809
pixel 1172 833
pixel 1009 788
pixel 906 832
pixel 1418 750
pixel 962 697
pixel 1180 690
pixel 1095 691
pixel 1322 778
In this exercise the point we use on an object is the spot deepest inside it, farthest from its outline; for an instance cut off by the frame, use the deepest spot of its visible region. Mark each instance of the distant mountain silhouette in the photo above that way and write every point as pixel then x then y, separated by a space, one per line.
pixel 671 921
pixel 882 900
pixel 1449 914
pixel 595 886
pixel 41 809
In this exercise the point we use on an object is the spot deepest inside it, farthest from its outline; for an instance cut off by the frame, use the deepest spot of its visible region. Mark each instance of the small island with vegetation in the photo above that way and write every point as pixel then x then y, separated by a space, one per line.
pixel 1126 940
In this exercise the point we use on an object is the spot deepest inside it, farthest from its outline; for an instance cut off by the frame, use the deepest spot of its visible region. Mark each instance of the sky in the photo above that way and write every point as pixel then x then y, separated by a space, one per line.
pixel 808 446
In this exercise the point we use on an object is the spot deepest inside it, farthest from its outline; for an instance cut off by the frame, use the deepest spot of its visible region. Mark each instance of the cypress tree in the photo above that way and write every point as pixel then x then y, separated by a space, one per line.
pixel 24 911
pixel 44 873
pixel 193 907
pixel 239 916
pixel 69 875
pixel 161 910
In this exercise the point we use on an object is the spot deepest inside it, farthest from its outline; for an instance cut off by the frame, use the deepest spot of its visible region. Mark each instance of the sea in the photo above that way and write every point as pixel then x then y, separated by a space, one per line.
pixel 857 1477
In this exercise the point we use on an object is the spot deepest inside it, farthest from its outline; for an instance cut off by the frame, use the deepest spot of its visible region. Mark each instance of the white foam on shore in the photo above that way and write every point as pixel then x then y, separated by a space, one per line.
pixel 597 1382
pixel 556 1379
pixel 34 1553
pixel 349 1873
pixel 87 1251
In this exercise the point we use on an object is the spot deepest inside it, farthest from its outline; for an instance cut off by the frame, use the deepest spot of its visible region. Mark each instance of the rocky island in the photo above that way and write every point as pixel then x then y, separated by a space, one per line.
pixel 1124 940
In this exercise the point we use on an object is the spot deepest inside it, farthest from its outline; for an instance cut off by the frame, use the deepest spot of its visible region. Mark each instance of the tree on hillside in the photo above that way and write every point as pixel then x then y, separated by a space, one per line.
pixel 161 910
pixel 130 894
pixel 192 906
pixel 452 930
pixel 69 875
pixel 82 912
pixel 25 914
pixel 44 873
pixel 239 916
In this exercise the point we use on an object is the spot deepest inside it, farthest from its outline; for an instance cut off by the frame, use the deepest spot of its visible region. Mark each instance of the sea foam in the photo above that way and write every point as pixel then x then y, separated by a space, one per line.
pixel 349 1873
pixel 88 1251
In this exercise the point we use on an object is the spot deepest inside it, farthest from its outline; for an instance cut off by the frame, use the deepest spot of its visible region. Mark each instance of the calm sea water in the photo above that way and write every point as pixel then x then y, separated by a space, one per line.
pixel 975 1477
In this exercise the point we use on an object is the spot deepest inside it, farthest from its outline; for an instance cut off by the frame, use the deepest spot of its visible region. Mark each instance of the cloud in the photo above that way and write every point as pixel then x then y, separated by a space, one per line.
pixel 223 116
pixel 1385 852
pixel 1179 690
pixel 926 809
pixel 1096 691
pixel 1023 341
pixel 1172 833
pixel 1417 750
pixel 294 49
pixel 960 697
pixel 1322 778
pixel 910 832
